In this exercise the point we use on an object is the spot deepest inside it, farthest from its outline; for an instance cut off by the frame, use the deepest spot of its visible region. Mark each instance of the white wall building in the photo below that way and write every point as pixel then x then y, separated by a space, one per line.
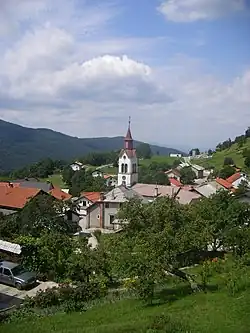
pixel 128 163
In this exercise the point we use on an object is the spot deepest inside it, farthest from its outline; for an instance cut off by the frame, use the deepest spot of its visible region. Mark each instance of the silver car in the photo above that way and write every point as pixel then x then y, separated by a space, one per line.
pixel 16 275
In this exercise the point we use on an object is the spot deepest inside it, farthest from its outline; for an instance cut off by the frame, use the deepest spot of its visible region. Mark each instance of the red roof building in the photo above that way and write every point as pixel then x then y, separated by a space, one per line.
pixel 58 194
pixel 224 183
pixel 17 197
pixel 175 182
pixel 233 178
pixel 92 196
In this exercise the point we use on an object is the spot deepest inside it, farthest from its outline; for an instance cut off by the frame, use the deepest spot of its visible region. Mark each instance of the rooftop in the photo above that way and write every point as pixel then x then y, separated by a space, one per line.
pixel 91 196
pixel 16 197
pixel 185 197
pixel 148 190
pixel 234 177
pixel 59 194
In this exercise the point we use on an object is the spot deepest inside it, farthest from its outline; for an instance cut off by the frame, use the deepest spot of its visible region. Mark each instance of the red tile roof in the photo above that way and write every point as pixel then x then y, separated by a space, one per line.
pixel 233 178
pixel 17 197
pixel 224 183
pixel 59 194
pixel 91 196
pixel 175 182
pixel 9 185
pixel 107 176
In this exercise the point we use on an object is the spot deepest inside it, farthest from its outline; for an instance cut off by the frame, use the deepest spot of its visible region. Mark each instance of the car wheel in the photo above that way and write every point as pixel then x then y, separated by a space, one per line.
pixel 18 285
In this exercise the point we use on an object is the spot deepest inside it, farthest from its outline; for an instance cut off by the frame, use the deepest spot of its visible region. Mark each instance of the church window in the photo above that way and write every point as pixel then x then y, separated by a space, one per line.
pixel 123 177
pixel 122 167
pixel 134 167
pixel 126 168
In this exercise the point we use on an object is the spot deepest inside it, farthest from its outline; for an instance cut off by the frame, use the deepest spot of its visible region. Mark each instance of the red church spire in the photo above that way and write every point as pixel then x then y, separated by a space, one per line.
pixel 128 140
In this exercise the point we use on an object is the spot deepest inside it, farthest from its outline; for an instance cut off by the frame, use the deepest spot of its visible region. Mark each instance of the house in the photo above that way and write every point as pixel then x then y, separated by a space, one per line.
pixel 111 181
pixel 175 182
pixel 85 200
pixel 60 194
pixel 128 162
pixel 32 183
pixel 76 166
pixel 198 170
pixel 223 184
pixel 13 199
pixel 175 155
pixel 97 173
pixel 206 190
pixel 102 214
pixel 173 173
pixel 187 196
pixel 237 178
pixel 151 191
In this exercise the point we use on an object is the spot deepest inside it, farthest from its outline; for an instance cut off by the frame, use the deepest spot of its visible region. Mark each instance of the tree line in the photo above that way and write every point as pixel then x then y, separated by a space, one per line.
pixel 240 140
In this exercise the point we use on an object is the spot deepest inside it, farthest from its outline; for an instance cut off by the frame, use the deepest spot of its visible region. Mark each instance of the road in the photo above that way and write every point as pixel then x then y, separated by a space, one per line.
pixel 10 296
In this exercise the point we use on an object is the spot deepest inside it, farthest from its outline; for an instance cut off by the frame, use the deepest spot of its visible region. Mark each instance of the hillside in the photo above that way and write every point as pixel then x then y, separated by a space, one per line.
pixel 234 152
pixel 20 146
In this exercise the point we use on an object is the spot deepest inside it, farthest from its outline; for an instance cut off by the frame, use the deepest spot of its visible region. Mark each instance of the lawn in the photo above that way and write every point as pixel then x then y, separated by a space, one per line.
pixel 214 311
pixel 218 158
pixel 56 180
pixel 158 159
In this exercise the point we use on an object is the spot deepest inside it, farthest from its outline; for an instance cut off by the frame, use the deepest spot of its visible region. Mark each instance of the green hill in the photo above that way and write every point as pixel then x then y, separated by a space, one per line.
pixel 234 152
pixel 21 146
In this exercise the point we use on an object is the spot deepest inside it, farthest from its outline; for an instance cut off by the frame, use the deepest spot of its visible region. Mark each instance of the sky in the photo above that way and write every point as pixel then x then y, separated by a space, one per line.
pixel 179 68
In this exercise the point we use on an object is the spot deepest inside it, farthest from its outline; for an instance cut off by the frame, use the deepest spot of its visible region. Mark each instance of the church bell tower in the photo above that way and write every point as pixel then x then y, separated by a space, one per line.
pixel 128 162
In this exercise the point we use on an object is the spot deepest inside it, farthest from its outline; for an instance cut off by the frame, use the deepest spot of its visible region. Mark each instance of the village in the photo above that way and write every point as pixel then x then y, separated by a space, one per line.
pixel 98 210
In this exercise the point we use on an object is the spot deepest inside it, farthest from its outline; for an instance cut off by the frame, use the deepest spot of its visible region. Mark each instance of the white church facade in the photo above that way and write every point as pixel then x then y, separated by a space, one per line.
pixel 128 162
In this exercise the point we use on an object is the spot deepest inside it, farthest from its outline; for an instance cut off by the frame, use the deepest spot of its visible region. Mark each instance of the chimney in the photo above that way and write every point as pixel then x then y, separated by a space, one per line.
pixel 156 191
pixel 102 197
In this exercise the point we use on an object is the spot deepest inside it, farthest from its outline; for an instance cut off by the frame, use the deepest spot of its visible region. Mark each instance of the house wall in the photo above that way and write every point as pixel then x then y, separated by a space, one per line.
pixel 172 175
pixel 238 181
pixel 75 167
pixel 94 217
pixel 111 182
pixel 110 211
pixel 199 173
pixel 175 155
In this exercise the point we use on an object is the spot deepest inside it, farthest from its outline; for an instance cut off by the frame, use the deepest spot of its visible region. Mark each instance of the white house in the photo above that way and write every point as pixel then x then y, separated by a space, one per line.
pixel 128 163
pixel 97 173
pixel 76 166
pixel 175 155
pixel 173 173
pixel 237 178
pixel 111 181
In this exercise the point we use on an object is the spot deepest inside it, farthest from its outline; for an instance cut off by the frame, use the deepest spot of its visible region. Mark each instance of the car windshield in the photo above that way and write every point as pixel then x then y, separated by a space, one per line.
pixel 18 270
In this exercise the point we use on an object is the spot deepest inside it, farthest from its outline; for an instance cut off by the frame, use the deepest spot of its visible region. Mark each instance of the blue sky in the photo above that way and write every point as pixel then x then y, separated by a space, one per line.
pixel 180 68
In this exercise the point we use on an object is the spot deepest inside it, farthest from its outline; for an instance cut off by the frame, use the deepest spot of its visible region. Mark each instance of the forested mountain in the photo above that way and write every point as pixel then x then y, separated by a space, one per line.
pixel 20 146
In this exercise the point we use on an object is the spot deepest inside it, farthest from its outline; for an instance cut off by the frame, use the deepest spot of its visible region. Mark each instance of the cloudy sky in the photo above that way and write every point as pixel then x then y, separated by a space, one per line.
pixel 179 68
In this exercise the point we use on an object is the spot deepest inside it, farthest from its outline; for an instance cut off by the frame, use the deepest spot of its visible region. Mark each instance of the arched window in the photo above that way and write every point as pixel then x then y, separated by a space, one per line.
pixel 122 167
pixel 134 167
pixel 126 168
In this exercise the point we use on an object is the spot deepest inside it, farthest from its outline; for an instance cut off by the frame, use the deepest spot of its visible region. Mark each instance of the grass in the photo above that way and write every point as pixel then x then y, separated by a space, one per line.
pixel 158 159
pixel 56 180
pixel 214 311
pixel 218 158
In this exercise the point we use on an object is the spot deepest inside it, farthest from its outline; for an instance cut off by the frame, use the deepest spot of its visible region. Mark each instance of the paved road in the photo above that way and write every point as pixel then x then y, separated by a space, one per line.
pixel 11 296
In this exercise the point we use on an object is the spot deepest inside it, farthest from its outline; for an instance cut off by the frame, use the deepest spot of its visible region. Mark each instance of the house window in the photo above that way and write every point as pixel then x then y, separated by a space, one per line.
pixel 111 218
pixel 126 168
pixel 106 205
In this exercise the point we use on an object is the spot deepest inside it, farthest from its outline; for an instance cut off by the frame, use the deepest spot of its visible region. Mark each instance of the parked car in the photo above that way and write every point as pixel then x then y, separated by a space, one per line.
pixel 16 275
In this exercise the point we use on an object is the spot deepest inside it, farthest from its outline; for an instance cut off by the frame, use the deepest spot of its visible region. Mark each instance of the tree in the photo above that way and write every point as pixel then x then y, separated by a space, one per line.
pixel 210 152
pixel 226 171
pixel 144 151
pixel 187 175
pixel 196 150
pixel 228 161
pixel 43 213
pixel 247 133
pixel 215 218
pixel 67 175
pixel 247 161
pixel 153 238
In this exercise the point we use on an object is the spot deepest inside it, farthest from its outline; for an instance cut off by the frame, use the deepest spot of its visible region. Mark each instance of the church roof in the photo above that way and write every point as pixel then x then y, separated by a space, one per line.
pixel 128 152
pixel 128 135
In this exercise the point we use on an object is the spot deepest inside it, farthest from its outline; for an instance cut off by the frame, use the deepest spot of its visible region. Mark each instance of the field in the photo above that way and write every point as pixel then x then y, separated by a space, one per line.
pixel 56 180
pixel 213 311
pixel 218 158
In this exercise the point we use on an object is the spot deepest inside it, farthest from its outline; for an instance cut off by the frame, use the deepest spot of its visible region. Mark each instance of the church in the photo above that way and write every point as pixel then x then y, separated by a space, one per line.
pixel 128 162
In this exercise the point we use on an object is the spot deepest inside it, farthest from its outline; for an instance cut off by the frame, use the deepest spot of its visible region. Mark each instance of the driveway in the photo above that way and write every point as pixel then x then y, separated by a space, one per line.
pixel 10 296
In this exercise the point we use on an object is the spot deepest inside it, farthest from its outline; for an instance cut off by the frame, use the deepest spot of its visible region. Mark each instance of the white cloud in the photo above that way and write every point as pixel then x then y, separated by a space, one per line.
pixel 194 10
pixel 73 76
